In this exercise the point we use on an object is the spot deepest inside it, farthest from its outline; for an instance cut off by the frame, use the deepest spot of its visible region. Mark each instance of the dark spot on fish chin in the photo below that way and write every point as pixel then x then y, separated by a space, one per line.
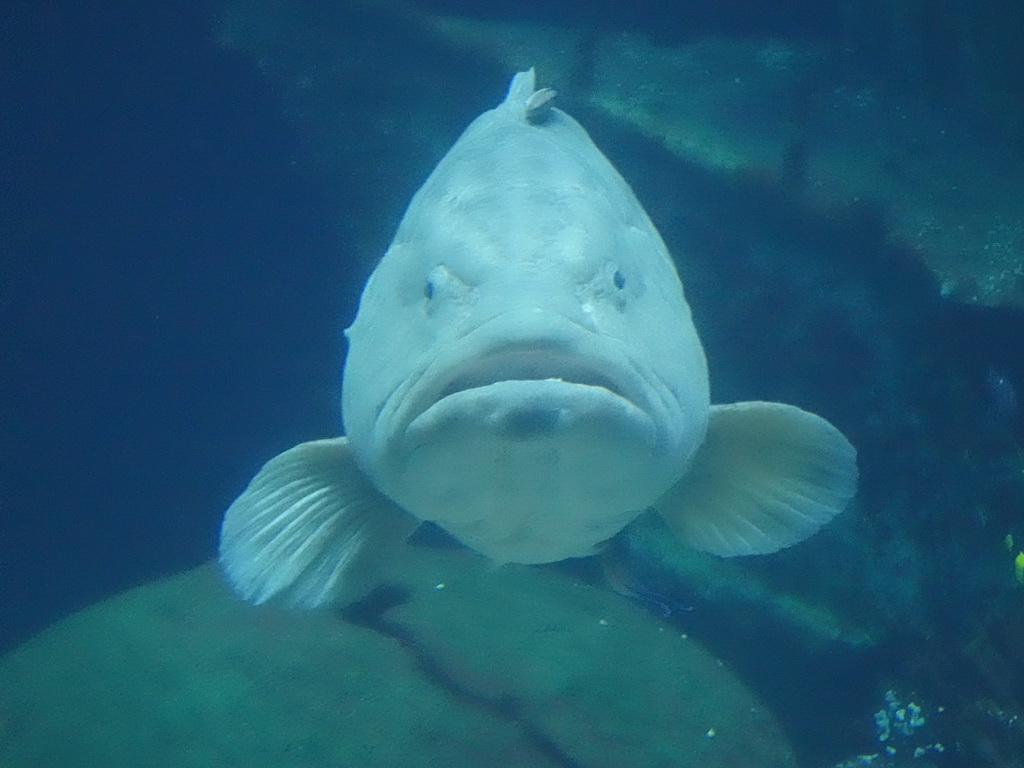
pixel 528 423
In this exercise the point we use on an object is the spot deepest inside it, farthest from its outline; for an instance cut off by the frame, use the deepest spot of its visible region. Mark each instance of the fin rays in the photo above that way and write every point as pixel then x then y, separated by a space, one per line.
pixel 768 476
pixel 309 529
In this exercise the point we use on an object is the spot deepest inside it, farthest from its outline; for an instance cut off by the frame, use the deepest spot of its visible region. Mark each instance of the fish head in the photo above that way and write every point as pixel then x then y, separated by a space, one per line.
pixel 523 369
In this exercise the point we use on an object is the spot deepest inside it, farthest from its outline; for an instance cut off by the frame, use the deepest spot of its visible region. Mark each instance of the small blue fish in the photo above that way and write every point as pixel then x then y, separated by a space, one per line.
pixel 619 578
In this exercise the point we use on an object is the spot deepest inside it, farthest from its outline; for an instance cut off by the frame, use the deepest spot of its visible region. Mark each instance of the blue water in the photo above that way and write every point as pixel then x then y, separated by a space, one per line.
pixel 178 259
pixel 168 275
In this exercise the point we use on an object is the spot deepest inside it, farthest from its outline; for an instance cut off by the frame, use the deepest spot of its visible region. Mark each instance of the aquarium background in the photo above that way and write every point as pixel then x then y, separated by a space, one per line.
pixel 193 194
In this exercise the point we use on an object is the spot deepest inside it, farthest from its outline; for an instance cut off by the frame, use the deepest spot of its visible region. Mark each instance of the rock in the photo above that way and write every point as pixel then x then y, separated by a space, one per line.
pixel 814 120
pixel 470 663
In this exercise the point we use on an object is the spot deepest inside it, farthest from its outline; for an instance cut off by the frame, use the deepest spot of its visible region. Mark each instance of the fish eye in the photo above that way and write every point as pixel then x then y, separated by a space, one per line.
pixel 619 279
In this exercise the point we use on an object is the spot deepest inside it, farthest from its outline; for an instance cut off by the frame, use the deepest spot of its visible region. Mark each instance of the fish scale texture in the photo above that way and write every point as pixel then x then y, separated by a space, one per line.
pixel 518 666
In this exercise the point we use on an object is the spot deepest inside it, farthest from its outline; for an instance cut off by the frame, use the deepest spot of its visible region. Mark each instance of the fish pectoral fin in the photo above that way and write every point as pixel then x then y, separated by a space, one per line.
pixel 767 476
pixel 310 529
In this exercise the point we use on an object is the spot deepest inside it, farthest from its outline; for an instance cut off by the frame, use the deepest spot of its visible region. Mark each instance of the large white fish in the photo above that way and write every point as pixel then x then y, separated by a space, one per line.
pixel 524 372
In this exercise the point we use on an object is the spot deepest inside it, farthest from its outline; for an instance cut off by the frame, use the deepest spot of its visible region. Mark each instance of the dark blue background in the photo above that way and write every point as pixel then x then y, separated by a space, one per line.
pixel 172 297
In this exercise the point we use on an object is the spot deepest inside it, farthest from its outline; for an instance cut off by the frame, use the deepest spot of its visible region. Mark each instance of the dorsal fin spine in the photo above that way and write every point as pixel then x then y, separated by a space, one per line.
pixel 520 90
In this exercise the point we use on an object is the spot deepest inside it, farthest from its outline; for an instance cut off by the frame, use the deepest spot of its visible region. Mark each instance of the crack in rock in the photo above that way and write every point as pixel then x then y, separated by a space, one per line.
pixel 369 613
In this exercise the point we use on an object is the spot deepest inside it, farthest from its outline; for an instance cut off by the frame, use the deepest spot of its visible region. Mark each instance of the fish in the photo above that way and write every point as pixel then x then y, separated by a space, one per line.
pixel 524 372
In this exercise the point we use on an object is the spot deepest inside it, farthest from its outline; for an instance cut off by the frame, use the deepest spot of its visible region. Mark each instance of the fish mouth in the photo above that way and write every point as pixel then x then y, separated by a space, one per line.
pixel 529 388
pixel 532 364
